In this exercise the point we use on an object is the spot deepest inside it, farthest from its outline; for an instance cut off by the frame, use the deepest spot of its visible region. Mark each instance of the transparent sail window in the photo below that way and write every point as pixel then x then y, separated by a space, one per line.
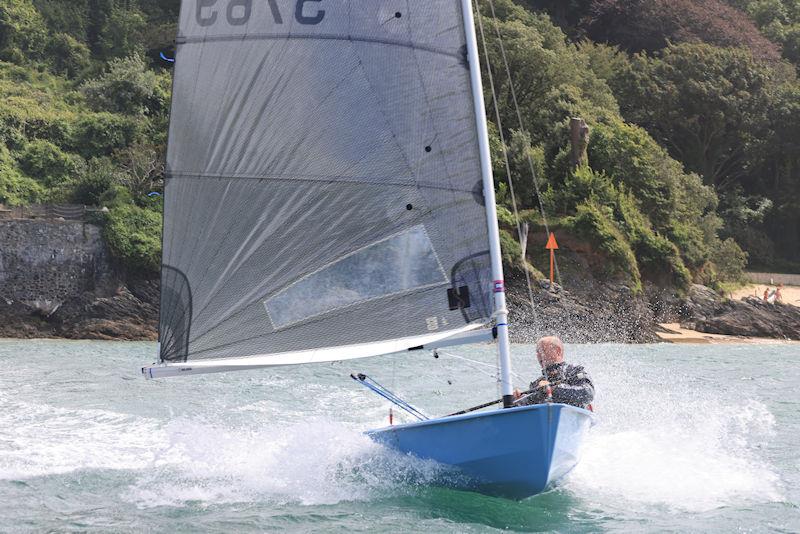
pixel 398 264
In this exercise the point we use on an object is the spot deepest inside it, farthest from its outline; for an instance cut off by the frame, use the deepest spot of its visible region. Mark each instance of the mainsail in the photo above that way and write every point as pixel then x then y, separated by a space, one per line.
pixel 324 186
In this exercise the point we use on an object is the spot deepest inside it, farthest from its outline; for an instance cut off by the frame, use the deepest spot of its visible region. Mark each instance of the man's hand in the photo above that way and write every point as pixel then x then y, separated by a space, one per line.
pixel 517 394
pixel 542 384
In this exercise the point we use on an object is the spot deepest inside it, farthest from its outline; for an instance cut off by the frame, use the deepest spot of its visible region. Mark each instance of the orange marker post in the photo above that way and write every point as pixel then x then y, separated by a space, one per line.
pixel 552 246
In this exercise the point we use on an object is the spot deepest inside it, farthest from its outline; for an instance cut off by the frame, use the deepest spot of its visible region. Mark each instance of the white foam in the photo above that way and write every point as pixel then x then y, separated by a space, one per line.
pixel 667 441
pixel 39 439
pixel 311 462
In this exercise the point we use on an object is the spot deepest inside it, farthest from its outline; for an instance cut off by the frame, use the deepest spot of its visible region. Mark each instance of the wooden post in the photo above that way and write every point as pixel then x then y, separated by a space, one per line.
pixel 523 240
pixel 579 137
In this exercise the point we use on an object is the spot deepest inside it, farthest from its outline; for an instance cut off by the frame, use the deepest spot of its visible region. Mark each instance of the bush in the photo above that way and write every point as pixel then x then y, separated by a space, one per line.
pixel 729 261
pixel 133 235
pixel 512 253
pixel 23 118
pixel 67 56
pixel 633 158
pixel 22 31
pixel 116 196
pixel 100 134
pixel 128 87
pixel 47 163
pixel 658 258
pixel 596 225
pixel 95 183
pixel 15 188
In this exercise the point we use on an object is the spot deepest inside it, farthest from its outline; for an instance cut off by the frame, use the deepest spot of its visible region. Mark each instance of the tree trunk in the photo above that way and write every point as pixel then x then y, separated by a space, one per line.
pixel 579 136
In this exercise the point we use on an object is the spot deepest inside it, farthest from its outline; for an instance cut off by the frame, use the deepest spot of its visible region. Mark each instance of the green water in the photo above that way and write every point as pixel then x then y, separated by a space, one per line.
pixel 692 439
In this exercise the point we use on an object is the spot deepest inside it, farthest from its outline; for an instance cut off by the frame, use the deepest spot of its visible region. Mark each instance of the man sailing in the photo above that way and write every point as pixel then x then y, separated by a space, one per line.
pixel 560 382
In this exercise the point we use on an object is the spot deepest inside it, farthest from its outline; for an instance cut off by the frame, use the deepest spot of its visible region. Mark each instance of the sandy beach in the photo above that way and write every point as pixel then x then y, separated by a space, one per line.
pixel 791 294
pixel 673 333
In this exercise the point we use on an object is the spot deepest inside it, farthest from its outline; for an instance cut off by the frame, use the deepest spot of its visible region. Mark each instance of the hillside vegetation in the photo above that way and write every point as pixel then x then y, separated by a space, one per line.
pixel 693 164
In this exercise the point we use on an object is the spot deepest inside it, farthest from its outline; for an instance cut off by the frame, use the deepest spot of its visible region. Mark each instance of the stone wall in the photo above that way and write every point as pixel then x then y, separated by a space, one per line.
pixel 774 278
pixel 44 263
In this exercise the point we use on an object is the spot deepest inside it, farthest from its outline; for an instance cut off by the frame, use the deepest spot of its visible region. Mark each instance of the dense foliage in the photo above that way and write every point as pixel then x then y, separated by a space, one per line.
pixel 694 145
pixel 693 106
pixel 83 111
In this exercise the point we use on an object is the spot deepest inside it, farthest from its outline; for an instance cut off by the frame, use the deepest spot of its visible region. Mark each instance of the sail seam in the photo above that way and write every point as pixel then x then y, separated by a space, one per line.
pixel 322 37
pixel 315 178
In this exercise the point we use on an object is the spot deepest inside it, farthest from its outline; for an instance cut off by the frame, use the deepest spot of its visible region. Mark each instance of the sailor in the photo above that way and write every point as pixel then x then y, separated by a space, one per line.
pixel 563 383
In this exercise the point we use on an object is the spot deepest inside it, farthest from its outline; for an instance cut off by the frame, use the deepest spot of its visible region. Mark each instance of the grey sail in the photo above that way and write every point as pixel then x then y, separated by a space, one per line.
pixel 324 182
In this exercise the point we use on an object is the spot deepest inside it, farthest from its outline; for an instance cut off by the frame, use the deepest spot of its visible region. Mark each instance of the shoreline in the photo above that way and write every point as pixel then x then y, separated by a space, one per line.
pixel 669 333
pixel 674 333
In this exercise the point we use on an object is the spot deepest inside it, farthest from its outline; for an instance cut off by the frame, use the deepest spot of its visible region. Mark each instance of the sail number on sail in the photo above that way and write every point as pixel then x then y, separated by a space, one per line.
pixel 238 12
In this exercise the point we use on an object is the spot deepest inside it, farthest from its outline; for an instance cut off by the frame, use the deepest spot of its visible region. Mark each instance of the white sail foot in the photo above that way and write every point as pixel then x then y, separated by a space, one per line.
pixel 349 352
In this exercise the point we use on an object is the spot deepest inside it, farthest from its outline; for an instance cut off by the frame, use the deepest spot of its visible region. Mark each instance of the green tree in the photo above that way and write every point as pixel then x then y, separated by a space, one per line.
pixel 68 56
pixel 121 33
pixel 707 105
pixel 22 31
pixel 129 87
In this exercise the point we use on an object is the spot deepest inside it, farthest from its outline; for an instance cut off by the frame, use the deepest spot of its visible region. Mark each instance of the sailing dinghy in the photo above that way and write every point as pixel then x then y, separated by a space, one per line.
pixel 329 196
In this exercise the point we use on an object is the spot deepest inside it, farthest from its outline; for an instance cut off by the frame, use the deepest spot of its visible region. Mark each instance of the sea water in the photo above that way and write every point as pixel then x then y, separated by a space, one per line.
pixel 691 439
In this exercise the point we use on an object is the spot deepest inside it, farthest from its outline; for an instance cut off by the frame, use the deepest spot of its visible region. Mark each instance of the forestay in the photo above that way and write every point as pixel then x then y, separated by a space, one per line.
pixel 324 191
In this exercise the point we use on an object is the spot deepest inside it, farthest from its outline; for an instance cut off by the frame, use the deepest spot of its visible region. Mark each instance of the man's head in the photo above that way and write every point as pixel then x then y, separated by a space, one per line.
pixel 549 351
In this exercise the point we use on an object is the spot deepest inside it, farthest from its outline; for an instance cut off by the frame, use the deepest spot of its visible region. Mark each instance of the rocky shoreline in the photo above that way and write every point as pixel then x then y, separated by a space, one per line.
pixel 130 313
pixel 611 313
pixel 706 311
pixel 595 312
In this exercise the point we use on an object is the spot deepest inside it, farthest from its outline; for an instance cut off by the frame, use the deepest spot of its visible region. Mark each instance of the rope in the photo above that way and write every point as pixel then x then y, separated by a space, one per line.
pixel 520 121
pixel 507 164
pixel 475 362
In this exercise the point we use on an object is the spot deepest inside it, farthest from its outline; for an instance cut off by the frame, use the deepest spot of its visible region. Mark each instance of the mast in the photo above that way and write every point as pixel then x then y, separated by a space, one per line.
pixel 501 314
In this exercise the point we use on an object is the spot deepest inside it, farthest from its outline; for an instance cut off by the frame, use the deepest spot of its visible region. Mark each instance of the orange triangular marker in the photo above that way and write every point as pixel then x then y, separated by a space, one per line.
pixel 551 243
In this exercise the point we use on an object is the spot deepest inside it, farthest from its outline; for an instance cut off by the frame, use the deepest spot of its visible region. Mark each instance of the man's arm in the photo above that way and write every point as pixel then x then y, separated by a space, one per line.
pixel 537 396
pixel 577 390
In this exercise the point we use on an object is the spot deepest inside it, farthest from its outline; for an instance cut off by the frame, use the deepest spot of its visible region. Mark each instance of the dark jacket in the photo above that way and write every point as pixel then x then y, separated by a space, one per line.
pixel 570 384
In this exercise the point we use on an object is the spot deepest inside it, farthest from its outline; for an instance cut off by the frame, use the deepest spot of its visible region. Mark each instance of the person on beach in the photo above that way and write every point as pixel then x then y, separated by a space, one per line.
pixel 560 382
pixel 778 296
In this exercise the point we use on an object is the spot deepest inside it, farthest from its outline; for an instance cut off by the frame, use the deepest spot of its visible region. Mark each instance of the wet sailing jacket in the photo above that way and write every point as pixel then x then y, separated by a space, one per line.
pixel 570 384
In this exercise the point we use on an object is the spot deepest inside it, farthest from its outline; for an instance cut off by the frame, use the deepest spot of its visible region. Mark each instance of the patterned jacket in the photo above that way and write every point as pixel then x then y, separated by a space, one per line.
pixel 570 384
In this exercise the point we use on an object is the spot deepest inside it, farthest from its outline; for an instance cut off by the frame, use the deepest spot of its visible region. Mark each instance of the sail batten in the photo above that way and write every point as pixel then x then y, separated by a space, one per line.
pixel 324 188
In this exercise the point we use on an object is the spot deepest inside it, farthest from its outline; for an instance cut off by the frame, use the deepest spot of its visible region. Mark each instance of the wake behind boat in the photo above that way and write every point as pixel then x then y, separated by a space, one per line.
pixel 329 196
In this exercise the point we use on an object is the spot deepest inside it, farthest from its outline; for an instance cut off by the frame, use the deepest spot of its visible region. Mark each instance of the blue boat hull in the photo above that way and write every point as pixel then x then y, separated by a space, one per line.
pixel 515 452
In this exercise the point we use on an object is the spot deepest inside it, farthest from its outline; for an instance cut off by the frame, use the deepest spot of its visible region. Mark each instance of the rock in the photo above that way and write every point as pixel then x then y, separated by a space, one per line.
pixel 706 311
pixel 607 312
pixel 122 315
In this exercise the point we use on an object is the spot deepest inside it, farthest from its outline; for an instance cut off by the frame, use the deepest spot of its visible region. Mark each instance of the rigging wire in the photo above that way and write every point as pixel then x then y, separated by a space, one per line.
pixel 477 365
pixel 505 158
pixel 519 120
